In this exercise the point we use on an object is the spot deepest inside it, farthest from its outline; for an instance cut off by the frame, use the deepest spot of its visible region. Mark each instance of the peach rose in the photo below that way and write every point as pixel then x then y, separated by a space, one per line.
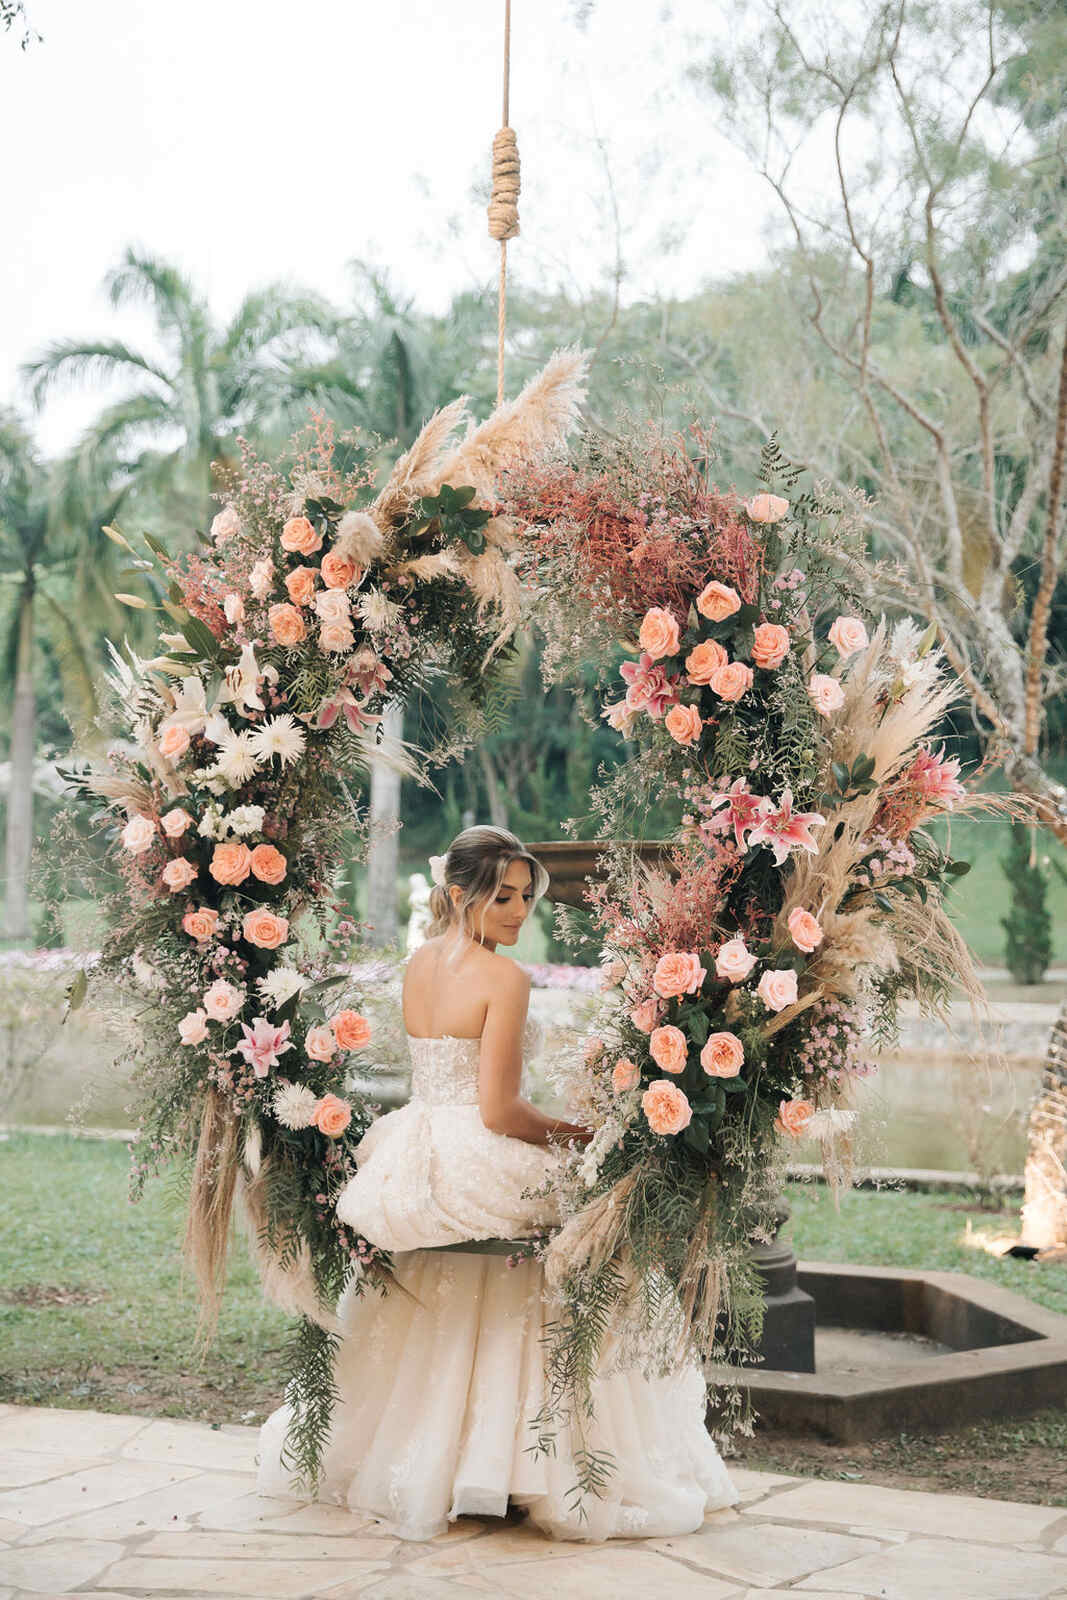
pixel 286 624
pixel 261 927
pixel 700 663
pixel 734 960
pixel 300 584
pixel 826 693
pixel 645 1016
pixel 659 633
pixel 770 644
pixel 173 742
pixel 332 1116
pixel 793 1116
pixel 223 1000
pixel 766 508
pixel 716 601
pixel 139 834
pixel 336 636
pixel 723 1056
pixel 320 1044
pixel 268 864
pixel 350 1030
pixel 225 524
pixel 178 874
pixel 300 538
pixel 201 924
pixel 175 822
pixel 668 1049
pixel 338 571
pixel 231 863
pixel 777 988
pixel 233 607
pixel 804 930
pixel 192 1029
pixel 731 681
pixel 678 972
pixel 683 723
pixel 666 1107
pixel 847 635
pixel 624 1075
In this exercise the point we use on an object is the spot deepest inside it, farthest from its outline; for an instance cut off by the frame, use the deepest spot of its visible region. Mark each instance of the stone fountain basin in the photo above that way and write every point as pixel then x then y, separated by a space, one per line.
pixel 898 1348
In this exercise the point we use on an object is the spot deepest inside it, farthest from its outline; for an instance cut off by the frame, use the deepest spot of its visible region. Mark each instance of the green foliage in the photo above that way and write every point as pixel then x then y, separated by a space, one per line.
pixel 1028 925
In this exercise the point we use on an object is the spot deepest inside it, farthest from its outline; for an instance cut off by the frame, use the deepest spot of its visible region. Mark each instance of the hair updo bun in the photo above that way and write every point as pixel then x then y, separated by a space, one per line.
pixel 476 863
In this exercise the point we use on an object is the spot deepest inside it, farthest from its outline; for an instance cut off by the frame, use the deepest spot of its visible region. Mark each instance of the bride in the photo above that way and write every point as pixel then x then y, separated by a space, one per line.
pixel 439 1379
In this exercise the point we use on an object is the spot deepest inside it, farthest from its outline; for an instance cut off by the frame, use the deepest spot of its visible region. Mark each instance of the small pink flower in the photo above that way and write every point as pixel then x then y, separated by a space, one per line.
pixel 178 874
pixel 174 823
pixel 723 1056
pixel 784 829
pixel 777 988
pixel 192 1029
pixel 668 1049
pixel 804 930
pixel 320 1044
pixel 741 810
pixel 847 635
pixel 645 1016
pixel 825 693
pixel 717 601
pixel 666 1107
pixel 678 972
pixel 683 723
pixel 766 507
pixel 659 633
pixel 734 960
pixel 624 1075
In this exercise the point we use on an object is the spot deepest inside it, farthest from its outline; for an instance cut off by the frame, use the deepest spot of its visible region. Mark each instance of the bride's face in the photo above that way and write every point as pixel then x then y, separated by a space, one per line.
pixel 502 916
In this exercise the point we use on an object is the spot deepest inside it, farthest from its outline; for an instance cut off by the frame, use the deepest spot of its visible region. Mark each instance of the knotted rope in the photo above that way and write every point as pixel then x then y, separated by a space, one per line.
pixel 504 204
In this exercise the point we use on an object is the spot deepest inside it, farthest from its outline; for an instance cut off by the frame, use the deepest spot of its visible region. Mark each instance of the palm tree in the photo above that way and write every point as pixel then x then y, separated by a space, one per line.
pixel 177 426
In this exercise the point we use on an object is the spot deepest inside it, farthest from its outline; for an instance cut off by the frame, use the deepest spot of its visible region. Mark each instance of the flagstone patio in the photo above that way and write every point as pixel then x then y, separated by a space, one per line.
pixel 110 1506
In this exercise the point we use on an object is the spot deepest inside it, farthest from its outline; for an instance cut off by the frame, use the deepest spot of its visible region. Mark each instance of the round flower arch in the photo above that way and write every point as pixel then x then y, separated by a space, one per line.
pixel 745 967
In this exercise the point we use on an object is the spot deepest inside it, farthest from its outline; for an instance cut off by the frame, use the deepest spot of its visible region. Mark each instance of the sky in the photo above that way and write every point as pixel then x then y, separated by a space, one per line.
pixel 254 141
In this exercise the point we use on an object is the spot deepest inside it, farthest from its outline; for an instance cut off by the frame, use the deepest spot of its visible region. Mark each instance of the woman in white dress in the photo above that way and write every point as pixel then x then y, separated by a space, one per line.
pixel 438 1387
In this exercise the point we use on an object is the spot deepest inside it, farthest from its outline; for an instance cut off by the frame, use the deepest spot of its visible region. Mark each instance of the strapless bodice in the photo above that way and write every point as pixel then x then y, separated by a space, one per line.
pixel 444 1067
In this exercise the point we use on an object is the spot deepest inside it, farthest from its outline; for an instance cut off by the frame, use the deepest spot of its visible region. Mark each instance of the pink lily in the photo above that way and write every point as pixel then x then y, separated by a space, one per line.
pixel 937 777
pixel 367 672
pixel 648 686
pixel 784 828
pixel 742 810
pixel 263 1045
pixel 344 700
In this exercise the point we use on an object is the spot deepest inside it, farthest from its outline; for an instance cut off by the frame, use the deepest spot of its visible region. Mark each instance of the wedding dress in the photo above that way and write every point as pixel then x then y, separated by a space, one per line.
pixel 437 1386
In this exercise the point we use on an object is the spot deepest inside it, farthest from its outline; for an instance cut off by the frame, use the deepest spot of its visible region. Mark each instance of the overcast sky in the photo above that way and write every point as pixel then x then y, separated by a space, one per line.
pixel 255 140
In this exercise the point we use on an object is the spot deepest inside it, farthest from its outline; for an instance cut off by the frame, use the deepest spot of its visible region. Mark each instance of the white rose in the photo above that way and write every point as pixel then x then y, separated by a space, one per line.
pixel 139 834
pixel 332 605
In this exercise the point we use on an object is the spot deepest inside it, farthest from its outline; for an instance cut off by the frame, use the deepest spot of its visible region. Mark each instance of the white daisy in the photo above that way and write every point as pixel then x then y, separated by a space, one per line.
pixel 278 736
pixel 294 1105
pixel 280 985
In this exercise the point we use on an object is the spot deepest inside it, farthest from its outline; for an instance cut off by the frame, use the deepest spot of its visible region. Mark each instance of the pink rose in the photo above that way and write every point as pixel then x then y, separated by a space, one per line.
pixel 286 624
pixel 683 723
pixel 793 1116
pixel 267 863
pixel 668 1049
pixel 261 927
pixel 777 988
pixel 223 1000
pixel 192 1029
pixel 139 834
pixel 332 1116
pixel 666 1107
pixel 624 1075
pixel 175 822
pixel 826 693
pixel 234 608
pixel 723 1056
pixel 300 585
pixel 804 930
pixel 770 644
pixel 731 681
pixel 173 742
pixel 338 571
pixel 350 1030
pixel 225 524
pixel 300 538
pixel 645 1016
pixel 320 1044
pixel 332 605
pixel 678 972
pixel 659 633
pixel 704 660
pixel 716 601
pixel 230 863
pixel 734 961
pixel 178 874
pixel 201 924
pixel 336 636
pixel 766 508
pixel 261 577
pixel 847 635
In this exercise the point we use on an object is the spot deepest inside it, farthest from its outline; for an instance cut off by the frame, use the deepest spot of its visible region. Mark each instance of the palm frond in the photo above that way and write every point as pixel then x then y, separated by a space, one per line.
pixel 73 361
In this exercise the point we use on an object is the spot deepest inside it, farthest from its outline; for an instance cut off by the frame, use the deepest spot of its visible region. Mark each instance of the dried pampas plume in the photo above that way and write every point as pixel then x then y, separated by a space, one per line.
pixel 418 471
pixel 359 537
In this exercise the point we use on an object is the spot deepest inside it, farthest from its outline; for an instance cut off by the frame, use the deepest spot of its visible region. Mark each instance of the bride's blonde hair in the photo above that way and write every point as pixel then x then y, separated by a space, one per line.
pixel 476 862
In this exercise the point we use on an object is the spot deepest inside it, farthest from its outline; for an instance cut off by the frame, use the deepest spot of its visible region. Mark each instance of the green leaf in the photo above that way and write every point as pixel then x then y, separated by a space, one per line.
pixel 960 869
pixel 77 992
pixel 698 1027
pixel 927 640
pixel 734 1085
pixel 201 638
pixel 881 900
pixel 174 610
pixel 475 519
pixel 862 768
pixel 696 1136
pixel 322 984
pixel 841 775
pixel 156 548
pixel 465 495
pixel 746 616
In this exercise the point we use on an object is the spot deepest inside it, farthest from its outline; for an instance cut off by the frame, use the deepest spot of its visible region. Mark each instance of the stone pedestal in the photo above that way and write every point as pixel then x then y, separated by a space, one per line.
pixel 788 1340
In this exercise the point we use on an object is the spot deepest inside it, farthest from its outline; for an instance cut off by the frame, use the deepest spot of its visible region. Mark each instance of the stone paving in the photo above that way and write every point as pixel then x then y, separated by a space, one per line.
pixel 123 1506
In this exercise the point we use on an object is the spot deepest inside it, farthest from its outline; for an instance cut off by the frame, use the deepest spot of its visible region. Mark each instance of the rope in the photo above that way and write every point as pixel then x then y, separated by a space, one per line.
pixel 504 204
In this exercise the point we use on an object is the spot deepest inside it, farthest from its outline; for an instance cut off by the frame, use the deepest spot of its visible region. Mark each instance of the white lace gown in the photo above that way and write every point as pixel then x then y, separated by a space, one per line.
pixel 438 1386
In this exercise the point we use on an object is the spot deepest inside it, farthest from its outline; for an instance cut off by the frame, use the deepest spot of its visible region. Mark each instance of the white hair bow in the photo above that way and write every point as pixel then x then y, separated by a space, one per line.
pixel 437 870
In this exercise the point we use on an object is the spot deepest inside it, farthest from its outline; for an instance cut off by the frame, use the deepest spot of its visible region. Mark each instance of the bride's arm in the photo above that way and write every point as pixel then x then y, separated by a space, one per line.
pixel 500 1070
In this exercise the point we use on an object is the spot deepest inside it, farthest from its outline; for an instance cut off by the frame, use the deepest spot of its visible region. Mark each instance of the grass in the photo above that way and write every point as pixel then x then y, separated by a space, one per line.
pixel 94 1313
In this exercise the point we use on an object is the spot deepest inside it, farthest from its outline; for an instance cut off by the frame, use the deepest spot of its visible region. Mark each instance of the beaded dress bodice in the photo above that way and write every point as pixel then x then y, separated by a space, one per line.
pixel 444 1067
